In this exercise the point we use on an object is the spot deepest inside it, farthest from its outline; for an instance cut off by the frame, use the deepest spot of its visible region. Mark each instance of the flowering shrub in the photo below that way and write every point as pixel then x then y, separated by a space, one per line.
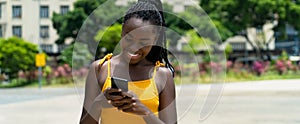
pixel 28 75
pixel 203 68
pixel 258 67
pixel 215 67
pixel 64 73
pixel 229 64
pixel 280 66
pixel 209 67
pixel 291 66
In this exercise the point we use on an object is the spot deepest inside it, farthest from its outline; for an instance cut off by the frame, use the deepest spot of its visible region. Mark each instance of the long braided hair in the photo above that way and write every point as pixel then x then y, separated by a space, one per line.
pixel 152 11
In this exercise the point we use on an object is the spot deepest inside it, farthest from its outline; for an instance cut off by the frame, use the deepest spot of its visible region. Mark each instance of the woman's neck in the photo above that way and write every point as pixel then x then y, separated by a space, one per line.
pixel 138 71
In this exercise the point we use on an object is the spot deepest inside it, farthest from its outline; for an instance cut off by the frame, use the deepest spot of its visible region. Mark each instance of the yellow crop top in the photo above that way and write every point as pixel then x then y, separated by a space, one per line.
pixel 146 91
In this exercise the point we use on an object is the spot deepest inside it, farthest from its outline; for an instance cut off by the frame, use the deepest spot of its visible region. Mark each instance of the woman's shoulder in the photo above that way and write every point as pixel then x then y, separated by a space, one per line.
pixel 101 62
pixel 98 64
pixel 100 67
pixel 163 77
pixel 162 70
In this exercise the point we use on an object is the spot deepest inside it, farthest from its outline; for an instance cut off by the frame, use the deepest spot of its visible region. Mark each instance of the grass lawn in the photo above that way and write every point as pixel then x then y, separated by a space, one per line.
pixel 235 77
pixel 204 79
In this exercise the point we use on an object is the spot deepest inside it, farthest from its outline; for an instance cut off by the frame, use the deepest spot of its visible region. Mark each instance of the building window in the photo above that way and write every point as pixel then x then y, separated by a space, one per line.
pixel 44 12
pixel 64 9
pixel 44 31
pixel 17 31
pixel 47 48
pixel 1 35
pixel 238 46
pixel 17 12
pixel 0 10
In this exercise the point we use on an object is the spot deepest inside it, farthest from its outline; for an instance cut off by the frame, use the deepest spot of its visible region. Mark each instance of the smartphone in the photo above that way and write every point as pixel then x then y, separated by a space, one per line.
pixel 119 83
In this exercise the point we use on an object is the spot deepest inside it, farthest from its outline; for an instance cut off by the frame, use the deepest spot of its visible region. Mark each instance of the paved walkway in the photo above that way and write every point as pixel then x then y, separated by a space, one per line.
pixel 264 102
pixel 57 110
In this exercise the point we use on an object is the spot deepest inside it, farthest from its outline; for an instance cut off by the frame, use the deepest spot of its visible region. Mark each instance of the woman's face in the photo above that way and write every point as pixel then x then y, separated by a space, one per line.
pixel 138 36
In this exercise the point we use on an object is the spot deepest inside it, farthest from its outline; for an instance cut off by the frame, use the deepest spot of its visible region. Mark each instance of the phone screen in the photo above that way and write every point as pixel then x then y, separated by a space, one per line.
pixel 119 83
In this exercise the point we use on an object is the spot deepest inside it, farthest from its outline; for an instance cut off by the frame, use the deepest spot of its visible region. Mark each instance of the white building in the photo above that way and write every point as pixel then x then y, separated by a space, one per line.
pixel 260 38
pixel 178 5
pixel 31 20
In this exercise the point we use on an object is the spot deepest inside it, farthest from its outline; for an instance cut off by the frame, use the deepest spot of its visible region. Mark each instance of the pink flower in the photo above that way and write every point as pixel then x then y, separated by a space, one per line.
pixel 67 68
pixel 258 67
pixel 229 64
pixel 21 74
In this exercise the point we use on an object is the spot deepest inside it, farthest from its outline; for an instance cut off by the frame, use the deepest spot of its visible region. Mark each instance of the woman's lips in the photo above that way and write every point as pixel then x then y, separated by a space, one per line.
pixel 133 55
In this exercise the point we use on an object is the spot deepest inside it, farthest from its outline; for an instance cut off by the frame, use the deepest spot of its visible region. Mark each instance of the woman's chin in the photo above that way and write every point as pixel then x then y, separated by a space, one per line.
pixel 134 58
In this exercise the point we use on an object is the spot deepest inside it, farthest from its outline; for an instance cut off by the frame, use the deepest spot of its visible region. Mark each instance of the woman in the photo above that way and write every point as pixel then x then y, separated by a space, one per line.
pixel 151 95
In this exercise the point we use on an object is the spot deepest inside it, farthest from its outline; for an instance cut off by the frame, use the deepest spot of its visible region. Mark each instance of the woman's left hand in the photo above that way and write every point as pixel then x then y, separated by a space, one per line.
pixel 131 104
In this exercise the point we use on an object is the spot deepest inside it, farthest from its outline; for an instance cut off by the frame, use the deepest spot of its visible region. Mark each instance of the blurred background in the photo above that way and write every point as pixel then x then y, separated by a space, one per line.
pixel 259 39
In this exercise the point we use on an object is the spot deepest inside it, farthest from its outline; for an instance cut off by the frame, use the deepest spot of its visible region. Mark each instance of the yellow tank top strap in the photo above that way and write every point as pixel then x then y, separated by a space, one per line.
pixel 105 58
pixel 108 68
pixel 157 64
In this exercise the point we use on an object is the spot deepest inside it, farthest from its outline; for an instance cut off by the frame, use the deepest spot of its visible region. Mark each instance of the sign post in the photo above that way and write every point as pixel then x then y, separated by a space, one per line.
pixel 40 58
pixel 40 61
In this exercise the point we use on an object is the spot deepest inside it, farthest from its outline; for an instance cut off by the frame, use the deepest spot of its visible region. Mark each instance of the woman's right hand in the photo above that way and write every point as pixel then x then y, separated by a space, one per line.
pixel 113 95
pixel 126 101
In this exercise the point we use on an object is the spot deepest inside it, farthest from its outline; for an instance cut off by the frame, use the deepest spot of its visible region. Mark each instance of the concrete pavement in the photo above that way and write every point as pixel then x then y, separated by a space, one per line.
pixel 263 102
pixel 57 110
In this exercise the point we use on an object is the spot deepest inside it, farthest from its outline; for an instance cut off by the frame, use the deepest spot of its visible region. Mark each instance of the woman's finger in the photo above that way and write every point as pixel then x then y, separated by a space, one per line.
pixel 112 94
pixel 129 94
pixel 117 103
pixel 127 107
pixel 113 90
pixel 121 102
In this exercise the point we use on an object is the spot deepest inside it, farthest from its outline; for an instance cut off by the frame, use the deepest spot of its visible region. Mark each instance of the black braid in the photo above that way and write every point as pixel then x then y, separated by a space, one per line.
pixel 152 11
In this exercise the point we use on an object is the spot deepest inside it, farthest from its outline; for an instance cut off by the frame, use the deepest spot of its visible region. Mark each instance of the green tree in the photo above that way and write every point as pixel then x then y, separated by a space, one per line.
pixel 284 56
pixel 76 58
pixel 196 43
pixel 228 50
pixel 66 55
pixel 88 5
pixel 205 26
pixel 237 16
pixel 174 24
pixel 17 55
pixel 75 23
pixel 68 25
pixel 108 39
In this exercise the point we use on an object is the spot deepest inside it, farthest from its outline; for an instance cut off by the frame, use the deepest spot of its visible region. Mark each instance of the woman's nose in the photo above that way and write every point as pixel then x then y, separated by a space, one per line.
pixel 135 47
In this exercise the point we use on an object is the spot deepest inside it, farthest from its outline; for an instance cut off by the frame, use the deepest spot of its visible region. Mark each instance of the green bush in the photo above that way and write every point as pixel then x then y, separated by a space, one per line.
pixel 17 54
pixel 15 83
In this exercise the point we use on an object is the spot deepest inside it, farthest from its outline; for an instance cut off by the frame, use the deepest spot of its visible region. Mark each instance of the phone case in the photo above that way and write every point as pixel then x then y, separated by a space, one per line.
pixel 119 83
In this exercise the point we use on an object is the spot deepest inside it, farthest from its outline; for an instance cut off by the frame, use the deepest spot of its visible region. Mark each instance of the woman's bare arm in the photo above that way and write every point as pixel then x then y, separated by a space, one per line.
pixel 167 101
pixel 92 90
